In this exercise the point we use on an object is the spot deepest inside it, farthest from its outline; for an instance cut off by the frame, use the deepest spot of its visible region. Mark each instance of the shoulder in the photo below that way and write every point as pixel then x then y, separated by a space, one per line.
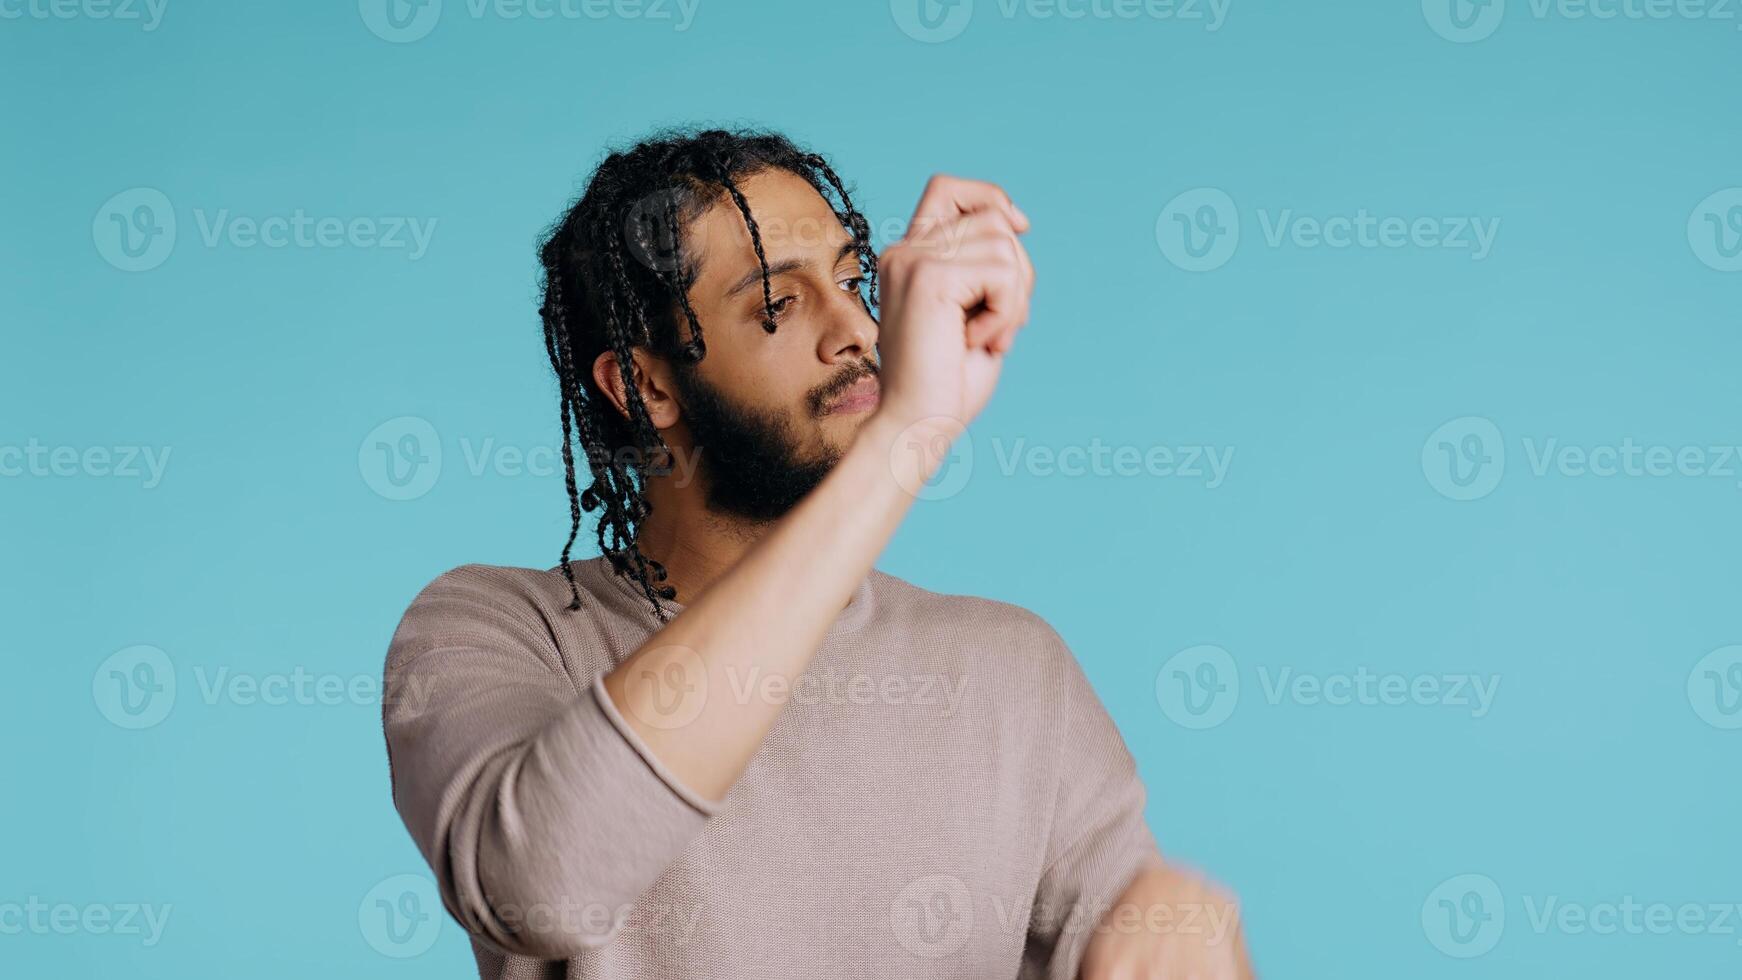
pixel 498 581
pixel 479 590
pixel 479 601
pixel 1012 634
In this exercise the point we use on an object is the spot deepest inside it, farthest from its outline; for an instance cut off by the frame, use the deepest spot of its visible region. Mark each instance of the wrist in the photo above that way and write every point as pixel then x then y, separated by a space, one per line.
pixel 913 449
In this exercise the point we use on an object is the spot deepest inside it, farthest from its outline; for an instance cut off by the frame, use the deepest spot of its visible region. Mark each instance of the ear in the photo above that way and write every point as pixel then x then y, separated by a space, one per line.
pixel 652 378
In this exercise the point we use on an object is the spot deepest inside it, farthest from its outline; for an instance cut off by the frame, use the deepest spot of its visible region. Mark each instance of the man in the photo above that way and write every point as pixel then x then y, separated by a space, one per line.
pixel 728 746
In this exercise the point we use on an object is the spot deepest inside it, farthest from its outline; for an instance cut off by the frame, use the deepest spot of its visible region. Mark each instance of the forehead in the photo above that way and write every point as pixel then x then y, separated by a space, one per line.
pixel 792 219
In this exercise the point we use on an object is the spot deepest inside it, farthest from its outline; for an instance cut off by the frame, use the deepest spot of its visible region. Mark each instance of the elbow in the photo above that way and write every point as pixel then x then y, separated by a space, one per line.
pixel 548 928
pixel 543 905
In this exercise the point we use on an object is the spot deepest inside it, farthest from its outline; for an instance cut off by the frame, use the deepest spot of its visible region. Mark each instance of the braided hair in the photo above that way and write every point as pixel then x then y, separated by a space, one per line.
pixel 615 278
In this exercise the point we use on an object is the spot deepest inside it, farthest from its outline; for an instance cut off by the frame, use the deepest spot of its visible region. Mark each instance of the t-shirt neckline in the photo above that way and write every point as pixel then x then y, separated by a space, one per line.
pixel 856 613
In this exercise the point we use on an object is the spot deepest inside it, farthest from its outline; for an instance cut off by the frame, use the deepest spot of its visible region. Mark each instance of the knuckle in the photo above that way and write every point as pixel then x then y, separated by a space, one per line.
pixel 925 272
pixel 894 259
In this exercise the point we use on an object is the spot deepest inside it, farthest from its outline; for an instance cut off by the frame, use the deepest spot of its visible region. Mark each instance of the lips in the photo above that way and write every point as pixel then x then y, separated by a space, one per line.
pixel 862 396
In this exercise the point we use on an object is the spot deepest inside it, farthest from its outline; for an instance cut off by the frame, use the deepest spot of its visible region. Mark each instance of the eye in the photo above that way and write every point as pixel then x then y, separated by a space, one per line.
pixel 781 306
pixel 851 285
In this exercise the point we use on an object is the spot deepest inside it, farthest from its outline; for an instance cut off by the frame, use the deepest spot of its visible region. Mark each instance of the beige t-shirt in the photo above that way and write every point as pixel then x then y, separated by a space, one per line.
pixel 943 795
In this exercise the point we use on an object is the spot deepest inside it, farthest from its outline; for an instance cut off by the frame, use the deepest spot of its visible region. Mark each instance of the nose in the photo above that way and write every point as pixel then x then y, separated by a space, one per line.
pixel 850 333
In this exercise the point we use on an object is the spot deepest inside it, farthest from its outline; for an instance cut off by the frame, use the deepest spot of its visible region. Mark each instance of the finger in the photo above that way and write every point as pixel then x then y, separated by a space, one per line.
pixel 984 279
pixel 988 240
pixel 956 238
pixel 997 224
pixel 1005 249
pixel 944 234
pixel 996 258
pixel 946 196
pixel 1000 303
pixel 991 247
pixel 1006 339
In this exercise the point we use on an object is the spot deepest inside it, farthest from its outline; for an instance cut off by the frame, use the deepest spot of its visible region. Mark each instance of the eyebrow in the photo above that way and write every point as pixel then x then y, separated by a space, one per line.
pixel 781 268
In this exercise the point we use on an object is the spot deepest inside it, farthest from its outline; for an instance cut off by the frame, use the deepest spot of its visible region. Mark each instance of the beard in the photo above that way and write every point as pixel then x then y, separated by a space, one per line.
pixel 750 456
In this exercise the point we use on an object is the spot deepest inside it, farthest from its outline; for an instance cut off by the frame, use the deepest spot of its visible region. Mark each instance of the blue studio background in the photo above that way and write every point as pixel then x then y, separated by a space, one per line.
pixel 1437 667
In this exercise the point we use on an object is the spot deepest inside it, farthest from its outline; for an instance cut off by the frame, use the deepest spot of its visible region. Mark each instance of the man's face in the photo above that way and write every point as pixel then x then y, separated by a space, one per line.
pixel 771 413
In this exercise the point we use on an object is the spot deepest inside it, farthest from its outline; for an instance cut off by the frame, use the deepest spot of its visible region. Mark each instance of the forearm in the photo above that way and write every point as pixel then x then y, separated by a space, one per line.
pixel 766 616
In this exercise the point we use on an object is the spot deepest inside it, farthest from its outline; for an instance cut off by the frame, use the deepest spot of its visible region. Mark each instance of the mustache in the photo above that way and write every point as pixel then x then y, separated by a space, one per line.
pixel 849 376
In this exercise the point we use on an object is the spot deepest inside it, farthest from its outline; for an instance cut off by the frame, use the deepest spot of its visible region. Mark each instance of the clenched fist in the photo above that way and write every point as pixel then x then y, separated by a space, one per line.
pixel 954 290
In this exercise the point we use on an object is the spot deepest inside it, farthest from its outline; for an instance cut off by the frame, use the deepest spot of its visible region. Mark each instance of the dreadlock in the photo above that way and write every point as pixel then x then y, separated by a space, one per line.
pixel 615 279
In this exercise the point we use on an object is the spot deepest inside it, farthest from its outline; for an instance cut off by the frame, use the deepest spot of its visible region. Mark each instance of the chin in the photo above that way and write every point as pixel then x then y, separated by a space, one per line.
pixel 839 428
pixel 837 432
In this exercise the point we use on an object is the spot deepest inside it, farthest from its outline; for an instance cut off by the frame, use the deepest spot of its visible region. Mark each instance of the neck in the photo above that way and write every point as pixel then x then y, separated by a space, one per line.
pixel 696 545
